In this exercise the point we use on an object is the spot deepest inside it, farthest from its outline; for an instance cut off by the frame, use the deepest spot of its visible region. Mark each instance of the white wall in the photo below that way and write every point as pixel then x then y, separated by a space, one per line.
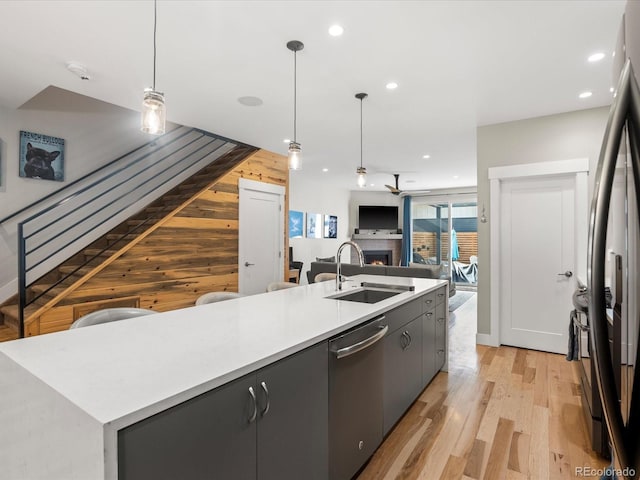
pixel 544 139
pixel 311 194
pixel 94 132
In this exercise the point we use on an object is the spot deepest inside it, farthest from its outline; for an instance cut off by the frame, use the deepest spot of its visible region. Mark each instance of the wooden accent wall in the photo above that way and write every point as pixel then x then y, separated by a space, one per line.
pixel 425 244
pixel 190 253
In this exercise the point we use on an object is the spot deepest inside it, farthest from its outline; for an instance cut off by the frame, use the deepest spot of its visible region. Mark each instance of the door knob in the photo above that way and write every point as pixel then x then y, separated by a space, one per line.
pixel 247 264
pixel 567 274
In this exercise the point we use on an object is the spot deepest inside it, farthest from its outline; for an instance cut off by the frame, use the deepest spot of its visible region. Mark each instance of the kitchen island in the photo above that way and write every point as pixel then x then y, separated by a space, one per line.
pixel 67 395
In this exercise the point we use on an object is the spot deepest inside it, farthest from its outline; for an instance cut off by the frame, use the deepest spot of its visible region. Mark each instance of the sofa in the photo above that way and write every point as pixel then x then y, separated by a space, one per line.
pixel 414 270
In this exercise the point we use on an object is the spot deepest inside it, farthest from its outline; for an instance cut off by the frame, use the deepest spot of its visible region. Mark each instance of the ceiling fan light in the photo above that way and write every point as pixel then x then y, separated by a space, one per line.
pixel 362 177
pixel 153 112
pixel 295 156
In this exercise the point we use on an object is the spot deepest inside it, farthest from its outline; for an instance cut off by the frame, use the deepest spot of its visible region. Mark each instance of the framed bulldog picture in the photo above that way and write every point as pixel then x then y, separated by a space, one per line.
pixel 41 156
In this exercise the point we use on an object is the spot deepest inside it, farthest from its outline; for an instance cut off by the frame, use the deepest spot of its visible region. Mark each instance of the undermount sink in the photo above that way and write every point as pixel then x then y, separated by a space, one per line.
pixel 388 286
pixel 366 295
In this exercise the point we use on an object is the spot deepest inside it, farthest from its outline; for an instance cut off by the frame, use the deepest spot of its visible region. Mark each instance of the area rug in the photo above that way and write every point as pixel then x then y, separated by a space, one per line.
pixel 458 299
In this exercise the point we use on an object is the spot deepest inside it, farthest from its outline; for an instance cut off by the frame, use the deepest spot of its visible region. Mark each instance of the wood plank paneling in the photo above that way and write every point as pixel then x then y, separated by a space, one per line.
pixel 426 245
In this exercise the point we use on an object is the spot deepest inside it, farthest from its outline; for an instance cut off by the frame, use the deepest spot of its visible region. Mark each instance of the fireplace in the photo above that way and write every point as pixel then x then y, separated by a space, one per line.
pixel 378 257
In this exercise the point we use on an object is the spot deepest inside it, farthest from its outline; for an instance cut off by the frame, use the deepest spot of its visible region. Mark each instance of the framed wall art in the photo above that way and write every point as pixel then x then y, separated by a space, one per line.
pixel 41 156
pixel 330 226
pixel 296 224
pixel 314 225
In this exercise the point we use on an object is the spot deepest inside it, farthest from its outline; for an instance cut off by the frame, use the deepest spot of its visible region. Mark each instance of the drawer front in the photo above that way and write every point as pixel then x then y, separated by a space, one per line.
pixel 428 302
pixel 402 315
pixel 441 295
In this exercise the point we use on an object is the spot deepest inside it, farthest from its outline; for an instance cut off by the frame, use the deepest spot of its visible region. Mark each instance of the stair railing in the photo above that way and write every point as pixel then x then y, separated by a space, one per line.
pixel 93 207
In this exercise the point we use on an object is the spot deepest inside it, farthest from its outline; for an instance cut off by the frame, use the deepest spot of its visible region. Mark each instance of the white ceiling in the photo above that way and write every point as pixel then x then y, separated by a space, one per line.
pixel 459 64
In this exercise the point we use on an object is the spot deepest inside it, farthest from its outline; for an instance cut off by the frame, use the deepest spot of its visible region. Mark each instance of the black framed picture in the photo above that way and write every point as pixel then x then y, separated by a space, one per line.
pixel 41 156
pixel 330 226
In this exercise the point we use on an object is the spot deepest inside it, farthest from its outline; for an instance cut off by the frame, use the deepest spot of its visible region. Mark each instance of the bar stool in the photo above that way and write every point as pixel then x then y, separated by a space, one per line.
pixel 109 315
pixel 213 297
pixel 273 286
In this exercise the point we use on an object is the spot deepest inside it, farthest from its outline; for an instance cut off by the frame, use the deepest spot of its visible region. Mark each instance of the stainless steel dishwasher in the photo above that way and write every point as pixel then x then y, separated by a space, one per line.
pixel 355 397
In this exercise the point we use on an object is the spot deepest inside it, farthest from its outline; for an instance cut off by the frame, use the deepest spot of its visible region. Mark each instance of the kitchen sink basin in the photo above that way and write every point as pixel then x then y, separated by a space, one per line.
pixel 388 286
pixel 366 295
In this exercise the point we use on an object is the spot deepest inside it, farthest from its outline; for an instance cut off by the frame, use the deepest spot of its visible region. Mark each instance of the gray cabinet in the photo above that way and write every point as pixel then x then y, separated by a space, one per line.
pixel 434 331
pixel 209 436
pixel 402 371
pixel 428 345
pixel 440 345
pixel 293 435
pixel 272 424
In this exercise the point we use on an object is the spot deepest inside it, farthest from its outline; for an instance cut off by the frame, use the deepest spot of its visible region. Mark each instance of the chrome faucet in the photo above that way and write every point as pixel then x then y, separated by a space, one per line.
pixel 339 278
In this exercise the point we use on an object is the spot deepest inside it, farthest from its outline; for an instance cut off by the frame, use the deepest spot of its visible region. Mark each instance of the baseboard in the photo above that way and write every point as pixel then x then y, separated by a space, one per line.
pixel 487 339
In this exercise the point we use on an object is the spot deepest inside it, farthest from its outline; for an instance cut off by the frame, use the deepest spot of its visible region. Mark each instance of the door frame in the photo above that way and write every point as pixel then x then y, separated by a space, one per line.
pixel 579 167
pixel 253 185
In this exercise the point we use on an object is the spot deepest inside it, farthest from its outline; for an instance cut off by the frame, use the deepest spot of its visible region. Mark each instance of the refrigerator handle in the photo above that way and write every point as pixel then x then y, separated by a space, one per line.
pixel 624 110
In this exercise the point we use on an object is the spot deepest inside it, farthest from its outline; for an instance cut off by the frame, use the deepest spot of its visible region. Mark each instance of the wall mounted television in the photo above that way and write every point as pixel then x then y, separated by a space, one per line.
pixel 377 217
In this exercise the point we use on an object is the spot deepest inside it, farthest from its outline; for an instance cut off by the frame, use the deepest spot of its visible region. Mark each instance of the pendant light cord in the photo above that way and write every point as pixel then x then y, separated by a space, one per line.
pixel 295 94
pixel 361 133
pixel 155 21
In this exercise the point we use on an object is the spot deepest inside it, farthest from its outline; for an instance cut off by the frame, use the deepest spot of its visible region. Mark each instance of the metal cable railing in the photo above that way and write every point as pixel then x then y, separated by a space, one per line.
pixel 100 201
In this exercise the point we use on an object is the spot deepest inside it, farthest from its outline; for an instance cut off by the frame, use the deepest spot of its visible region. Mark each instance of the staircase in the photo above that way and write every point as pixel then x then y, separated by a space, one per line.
pixel 52 287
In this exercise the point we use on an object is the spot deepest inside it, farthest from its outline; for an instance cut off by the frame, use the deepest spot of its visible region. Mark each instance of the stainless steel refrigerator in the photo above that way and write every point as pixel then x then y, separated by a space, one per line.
pixel 614 256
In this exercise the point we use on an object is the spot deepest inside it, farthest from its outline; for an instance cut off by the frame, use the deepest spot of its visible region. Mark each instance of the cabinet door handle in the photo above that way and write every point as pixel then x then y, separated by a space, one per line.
pixel 441 321
pixel 404 344
pixel 429 314
pixel 253 416
pixel 441 294
pixel 409 337
pixel 266 393
pixel 428 301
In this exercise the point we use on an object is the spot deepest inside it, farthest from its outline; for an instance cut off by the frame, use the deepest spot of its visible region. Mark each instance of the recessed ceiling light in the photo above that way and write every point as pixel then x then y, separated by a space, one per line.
pixel 250 101
pixel 410 181
pixel 456 176
pixel 611 89
pixel 372 184
pixel 596 57
pixel 585 94
pixel 336 30
pixel 286 140
pixel 325 169
pixel 426 156
pixel 392 86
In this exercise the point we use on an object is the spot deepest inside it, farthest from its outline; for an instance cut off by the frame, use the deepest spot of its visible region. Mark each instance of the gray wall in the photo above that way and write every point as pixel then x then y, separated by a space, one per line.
pixel 543 139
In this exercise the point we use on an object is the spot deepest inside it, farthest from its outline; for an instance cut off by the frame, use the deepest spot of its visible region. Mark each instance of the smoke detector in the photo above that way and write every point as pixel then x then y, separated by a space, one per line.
pixel 78 70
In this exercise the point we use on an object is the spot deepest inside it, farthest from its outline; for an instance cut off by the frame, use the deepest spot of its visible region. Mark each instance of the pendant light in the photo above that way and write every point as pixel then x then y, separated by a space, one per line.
pixel 361 171
pixel 295 152
pixel 153 110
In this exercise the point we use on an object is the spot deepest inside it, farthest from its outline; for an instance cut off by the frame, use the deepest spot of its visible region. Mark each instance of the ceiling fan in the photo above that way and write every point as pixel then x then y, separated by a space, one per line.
pixel 395 190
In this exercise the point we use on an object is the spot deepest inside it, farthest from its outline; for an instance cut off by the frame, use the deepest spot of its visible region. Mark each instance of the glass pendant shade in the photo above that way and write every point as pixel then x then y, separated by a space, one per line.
pixel 295 156
pixel 362 176
pixel 153 112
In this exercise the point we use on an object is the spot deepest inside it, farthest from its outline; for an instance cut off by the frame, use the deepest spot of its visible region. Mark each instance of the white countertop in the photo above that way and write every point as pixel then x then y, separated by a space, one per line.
pixel 121 372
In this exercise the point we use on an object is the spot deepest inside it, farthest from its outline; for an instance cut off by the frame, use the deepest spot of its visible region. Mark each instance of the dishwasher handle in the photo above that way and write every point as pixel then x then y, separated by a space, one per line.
pixel 367 342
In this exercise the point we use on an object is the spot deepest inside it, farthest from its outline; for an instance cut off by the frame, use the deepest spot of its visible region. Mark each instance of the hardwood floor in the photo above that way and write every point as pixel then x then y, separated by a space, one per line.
pixel 499 413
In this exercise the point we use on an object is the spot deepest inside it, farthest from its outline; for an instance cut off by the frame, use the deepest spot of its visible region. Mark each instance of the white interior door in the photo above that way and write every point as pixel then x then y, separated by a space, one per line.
pixel 261 236
pixel 537 261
